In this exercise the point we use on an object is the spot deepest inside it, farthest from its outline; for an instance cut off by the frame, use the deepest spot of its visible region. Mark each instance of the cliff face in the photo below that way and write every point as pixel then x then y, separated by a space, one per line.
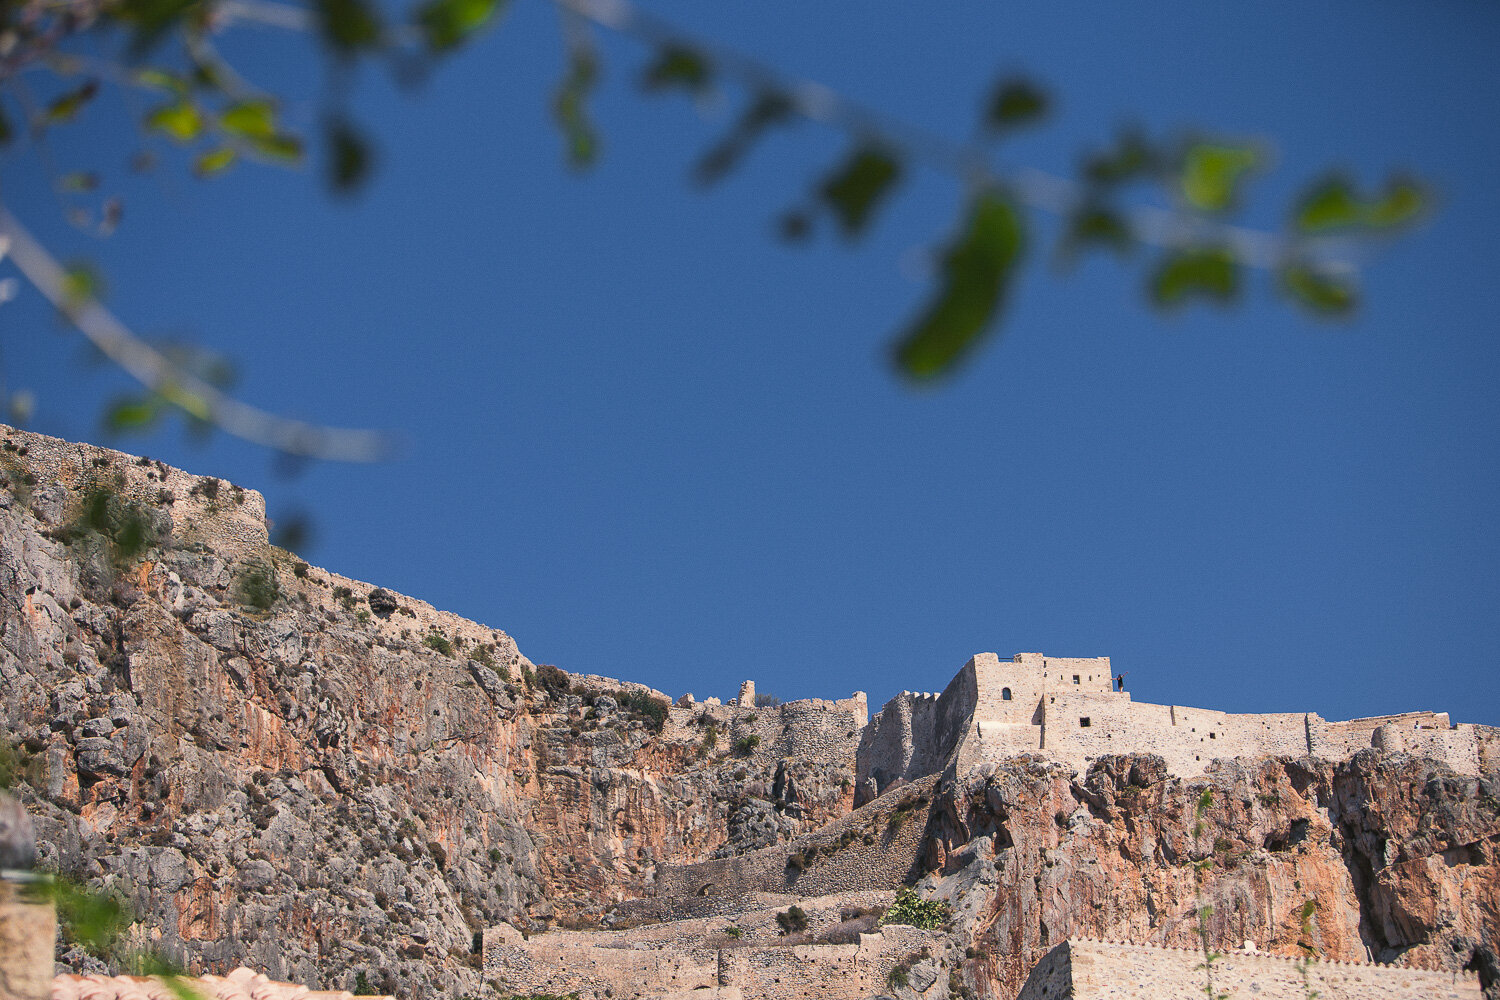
pixel 1395 854
pixel 288 769
pixel 285 768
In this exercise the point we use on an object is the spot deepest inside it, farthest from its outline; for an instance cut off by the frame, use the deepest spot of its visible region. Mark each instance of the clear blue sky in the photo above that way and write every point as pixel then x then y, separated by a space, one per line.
pixel 649 441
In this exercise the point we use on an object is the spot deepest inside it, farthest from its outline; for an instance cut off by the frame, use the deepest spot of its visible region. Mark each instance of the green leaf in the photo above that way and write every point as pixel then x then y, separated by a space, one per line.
pixel 769 108
pixel 280 146
pixel 6 133
pixel 67 106
pixel 853 190
pixel 1095 225
pixel 570 107
pixel 1320 291
pixel 1404 202
pixel 1131 158
pixel 677 66
pixel 975 273
pixel 1333 204
pixel 348 156
pixel 250 120
pixel 1209 272
pixel 88 918
pixel 132 414
pixel 152 19
pixel 348 25
pixel 161 80
pixel 1211 174
pixel 180 120
pixel 1015 104
pixel 81 284
pixel 449 23
pixel 215 161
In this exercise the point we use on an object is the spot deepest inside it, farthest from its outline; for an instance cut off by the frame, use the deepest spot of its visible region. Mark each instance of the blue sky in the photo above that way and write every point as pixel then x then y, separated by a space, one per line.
pixel 650 441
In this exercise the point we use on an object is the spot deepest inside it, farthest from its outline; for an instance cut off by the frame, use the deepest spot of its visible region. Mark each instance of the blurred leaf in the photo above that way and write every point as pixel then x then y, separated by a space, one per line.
pixel 6 132
pixel 281 146
pixel 348 25
pixel 1015 104
pixel 109 219
pixel 64 108
pixel 1131 158
pixel 1333 204
pixel 292 532
pixel 90 919
pixel 853 190
pixel 81 284
pixel 975 272
pixel 161 80
pixel 769 108
pixel 1320 291
pixel 215 161
pixel 677 66
pixel 570 109
pixel 1209 272
pixel 179 120
pixel 450 23
pixel 349 156
pixel 250 120
pixel 1404 200
pixel 82 180
pixel 795 226
pixel 1211 174
pixel 152 20
pixel 132 413
pixel 1096 226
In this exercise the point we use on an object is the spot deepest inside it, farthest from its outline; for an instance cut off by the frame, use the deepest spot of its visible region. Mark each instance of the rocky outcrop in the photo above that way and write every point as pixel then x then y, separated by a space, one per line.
pixel 335 784
pixel 1380 858
pixel 284 768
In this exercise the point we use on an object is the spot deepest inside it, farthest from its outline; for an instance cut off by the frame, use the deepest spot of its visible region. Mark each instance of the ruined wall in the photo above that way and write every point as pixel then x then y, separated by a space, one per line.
pixel 1093 970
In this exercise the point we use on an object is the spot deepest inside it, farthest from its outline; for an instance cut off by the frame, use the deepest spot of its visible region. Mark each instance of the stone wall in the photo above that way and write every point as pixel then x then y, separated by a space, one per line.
pixel 1086 970
pixel 699 954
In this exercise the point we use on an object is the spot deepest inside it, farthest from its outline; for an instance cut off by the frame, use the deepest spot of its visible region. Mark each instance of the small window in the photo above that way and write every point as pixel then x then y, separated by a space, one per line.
pixel 1005 694
pixel 1084 722
pixel 1212 736
pixel 1075 678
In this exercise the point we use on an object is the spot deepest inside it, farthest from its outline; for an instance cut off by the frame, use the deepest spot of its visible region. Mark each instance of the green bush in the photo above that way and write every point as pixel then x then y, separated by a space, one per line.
pixel 909 908
pixel 439 642
pixel 745 745
pixel 106 519
pixel 734 932
pixel 553 679
pixel 652 710
pixel 257 587
pixel 792 920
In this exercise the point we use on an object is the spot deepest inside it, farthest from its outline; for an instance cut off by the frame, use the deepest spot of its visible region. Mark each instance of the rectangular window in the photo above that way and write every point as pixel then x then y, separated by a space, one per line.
pixel 1075 678
pixel 1084 722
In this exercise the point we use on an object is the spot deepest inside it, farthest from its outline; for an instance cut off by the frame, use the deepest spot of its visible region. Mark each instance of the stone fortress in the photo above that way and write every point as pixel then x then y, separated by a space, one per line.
pixel 709 930
pixel 1068 709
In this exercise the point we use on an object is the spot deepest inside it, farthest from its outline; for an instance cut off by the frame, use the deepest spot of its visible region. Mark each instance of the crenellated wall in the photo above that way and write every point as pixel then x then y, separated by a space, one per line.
pixel 1067 709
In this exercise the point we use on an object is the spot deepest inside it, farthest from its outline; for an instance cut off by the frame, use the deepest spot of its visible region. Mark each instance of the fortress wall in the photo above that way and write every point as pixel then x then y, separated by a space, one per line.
pixel 1098 969
pixel 915 733
pixel 811 730
pixel 885 863
pixel 1337 740
pixel 1486 746
pixel 839 972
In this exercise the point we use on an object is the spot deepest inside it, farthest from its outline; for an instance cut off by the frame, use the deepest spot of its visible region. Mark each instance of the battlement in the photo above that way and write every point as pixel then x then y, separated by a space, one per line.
pixel 1086 969
pixel 1068 708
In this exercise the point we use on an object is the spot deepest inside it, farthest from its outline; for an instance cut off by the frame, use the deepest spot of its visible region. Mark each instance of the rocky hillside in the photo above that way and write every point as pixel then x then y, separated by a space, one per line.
pixel 340 785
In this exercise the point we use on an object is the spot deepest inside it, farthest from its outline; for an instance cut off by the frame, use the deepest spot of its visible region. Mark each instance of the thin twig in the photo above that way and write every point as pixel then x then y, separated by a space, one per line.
pixel 147 366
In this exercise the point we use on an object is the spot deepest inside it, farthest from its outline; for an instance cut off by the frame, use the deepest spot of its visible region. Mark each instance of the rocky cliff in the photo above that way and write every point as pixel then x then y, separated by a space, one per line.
pixel 339 785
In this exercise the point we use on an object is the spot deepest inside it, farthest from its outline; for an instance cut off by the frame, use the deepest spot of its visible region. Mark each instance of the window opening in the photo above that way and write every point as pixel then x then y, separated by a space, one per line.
pixel 1075 678
pixel 1005 694
pixel 1084 722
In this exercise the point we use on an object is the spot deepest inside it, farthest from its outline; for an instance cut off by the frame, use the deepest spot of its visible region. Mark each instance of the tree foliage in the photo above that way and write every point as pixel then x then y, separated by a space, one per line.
pixel 1176 199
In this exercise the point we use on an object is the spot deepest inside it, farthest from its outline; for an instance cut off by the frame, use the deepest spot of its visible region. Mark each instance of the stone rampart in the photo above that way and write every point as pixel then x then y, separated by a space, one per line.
pixel 703 954
pixel 1092 970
